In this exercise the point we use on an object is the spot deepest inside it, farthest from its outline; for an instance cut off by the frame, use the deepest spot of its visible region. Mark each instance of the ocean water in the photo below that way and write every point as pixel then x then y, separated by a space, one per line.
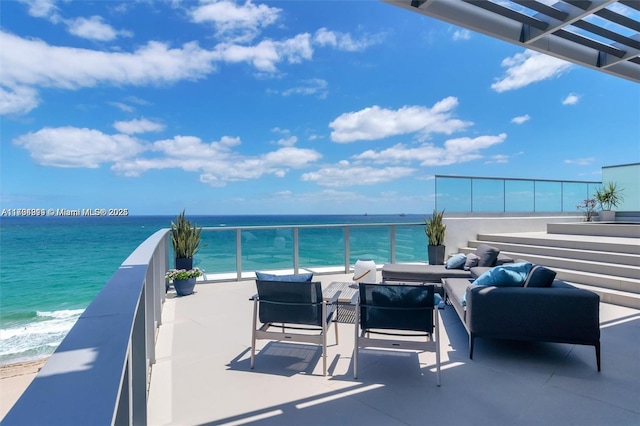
pixel 51 268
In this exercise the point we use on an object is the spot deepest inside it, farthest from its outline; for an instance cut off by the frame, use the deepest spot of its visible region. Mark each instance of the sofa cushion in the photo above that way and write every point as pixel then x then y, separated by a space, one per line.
pixel 298 278
pixel 511 275
pixel 487 255
pixel 503 259
pixel 420 272
pixel 472 260
pixel 456 261
pixel 539 276
pixel 476 271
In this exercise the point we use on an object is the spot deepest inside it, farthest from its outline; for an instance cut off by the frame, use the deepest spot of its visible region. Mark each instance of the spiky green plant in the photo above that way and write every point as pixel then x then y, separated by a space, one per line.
pixel 435 229
pixel 185 237
pixel 609 196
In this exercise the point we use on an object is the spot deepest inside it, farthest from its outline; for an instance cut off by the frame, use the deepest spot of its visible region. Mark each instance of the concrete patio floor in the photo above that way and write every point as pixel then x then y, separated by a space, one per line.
pixel 202 374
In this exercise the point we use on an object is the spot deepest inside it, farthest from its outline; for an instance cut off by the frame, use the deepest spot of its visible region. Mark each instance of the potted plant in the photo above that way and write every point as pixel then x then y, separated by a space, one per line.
pixel 609 196
pixel 435 231
pixel 184 280
pixel 186 241
pixel 589 207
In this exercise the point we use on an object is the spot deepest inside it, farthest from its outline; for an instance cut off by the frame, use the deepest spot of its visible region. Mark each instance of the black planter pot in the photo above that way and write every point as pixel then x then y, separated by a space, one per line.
pixel 436 255
pixel 184 263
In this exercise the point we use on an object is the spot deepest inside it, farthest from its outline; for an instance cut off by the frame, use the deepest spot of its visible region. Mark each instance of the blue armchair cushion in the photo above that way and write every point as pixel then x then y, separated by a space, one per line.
pixel 510 275
pixel 539 276
pixel 297 278
pixel 456 261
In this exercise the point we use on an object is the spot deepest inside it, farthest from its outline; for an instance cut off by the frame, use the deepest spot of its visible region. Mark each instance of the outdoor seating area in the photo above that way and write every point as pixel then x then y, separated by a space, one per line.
pixel 203 372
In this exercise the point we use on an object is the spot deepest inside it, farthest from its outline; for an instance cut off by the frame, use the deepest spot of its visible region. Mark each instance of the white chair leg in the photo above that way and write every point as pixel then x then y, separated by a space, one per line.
pixel 355 340
pixel 253 333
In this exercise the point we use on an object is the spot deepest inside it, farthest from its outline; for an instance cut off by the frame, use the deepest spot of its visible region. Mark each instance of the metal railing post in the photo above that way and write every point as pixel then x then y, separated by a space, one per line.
pixel 296 252
pixel 239 254
pixel 347 253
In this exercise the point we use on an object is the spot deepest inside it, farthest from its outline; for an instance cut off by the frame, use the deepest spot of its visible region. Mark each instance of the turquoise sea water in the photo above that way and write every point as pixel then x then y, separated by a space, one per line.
pixel 52 267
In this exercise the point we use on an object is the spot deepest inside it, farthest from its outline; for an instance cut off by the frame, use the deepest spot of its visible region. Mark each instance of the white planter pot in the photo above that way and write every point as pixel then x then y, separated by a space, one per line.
pixel 607 216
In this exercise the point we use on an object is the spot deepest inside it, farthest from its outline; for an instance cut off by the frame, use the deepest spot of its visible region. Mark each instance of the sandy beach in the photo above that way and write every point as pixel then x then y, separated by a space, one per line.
pixel 14 379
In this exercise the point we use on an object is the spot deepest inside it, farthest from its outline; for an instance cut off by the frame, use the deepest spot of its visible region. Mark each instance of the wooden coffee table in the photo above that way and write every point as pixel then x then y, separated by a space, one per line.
pixel 345 311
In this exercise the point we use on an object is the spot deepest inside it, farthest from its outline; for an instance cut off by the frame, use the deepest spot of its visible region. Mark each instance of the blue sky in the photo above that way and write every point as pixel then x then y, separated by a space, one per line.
pixel 287 107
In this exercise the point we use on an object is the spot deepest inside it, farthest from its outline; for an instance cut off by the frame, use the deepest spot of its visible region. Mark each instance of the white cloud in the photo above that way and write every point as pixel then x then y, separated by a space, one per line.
pixel 453 151
pixel 217 163
pixel 122 106
pixel 521 119
pixel 377 123
pixel 240 23
pixel 288 141
pixel 581 161
pixel 76 147
pixel 138 126
pixel 461 35
pixel 29 63
pixel 499 158
pixel 315 86
pixel 266 54
pixel 91 28
pixel 571 99
pixel 41 8
pixel 35 63
pixel 529 67
pixel 18 100
pixel 344 41
pixel 345 174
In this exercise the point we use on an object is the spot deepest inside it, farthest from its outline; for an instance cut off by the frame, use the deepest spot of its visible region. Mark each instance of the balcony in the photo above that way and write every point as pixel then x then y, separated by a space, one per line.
pixel 202 374
pixel 138 356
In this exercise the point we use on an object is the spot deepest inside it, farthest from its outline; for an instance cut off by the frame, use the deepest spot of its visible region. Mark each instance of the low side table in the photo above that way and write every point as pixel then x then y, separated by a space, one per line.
pixel 345 312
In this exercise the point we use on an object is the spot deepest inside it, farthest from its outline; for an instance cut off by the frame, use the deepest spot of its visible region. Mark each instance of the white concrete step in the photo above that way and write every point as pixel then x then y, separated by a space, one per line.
pixel 599 280
pixel 614 297
pixel 609 229
pixel 569 253
pixel 602 268
pixel 578 242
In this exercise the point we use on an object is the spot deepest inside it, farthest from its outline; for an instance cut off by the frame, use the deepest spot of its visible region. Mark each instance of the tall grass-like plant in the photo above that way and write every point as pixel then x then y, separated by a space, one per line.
pixel 435 229
pixel 185 237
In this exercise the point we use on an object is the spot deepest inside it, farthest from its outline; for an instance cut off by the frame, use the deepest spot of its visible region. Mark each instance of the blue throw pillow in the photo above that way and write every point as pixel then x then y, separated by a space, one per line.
pixel 299 278
pixel 456 262
pixel 511 275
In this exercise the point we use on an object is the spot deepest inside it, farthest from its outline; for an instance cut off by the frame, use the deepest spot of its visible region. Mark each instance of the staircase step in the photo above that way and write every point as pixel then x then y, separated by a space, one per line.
pixel 599 280
pixel 596 243
pixel 595 228
pixel 613 297
pixel 569 253
pixel 602 268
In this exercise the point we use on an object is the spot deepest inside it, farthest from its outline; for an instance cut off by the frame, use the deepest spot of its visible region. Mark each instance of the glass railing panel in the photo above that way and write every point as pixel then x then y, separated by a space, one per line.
pixel 321 247
pixel 411 244
pixel 519 196
pixel 267 249
pixel 488 195
pixel 548 196
pixel 369 243
pixel 217 252
pixel 453 194
pixel 573 193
